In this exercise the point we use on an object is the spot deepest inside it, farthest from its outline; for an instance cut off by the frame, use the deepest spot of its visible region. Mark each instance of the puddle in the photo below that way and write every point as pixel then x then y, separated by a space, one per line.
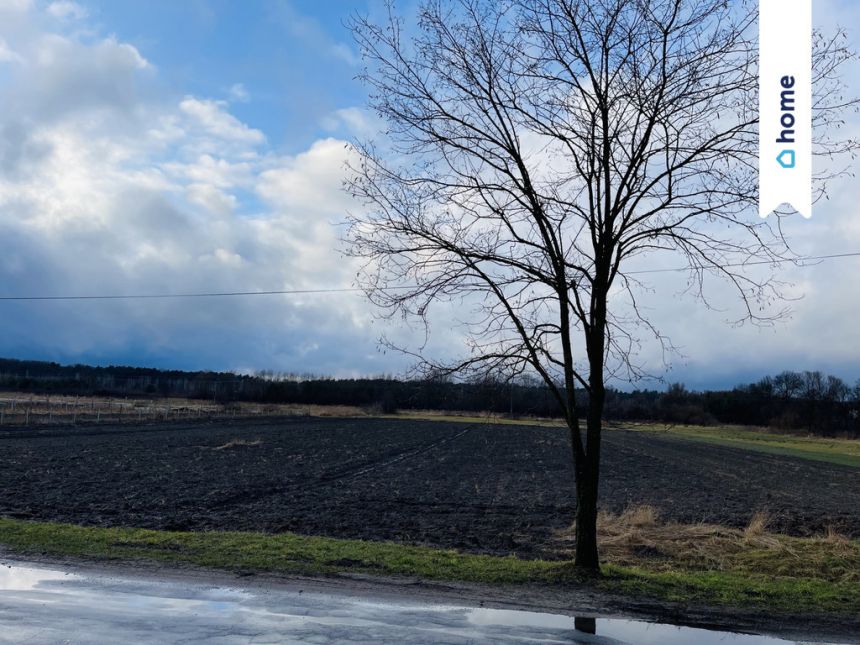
pixel 53 606
pixel 615 630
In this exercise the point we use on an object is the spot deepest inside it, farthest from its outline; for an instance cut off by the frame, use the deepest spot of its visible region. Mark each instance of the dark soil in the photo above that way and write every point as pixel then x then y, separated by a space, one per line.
pixel 481 488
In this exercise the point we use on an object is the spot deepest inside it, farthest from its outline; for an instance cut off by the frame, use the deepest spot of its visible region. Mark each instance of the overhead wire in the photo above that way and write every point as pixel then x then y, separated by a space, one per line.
pixel 328 290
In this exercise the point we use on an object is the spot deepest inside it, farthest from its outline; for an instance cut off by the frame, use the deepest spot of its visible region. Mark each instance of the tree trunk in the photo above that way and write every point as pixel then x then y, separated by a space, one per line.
pixel 587 559
pixel 587 466
pixel 587 461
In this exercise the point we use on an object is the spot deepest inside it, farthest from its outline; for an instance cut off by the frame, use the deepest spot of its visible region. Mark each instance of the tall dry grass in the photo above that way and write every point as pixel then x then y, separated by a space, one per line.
pixel 637 537
pixel 757 525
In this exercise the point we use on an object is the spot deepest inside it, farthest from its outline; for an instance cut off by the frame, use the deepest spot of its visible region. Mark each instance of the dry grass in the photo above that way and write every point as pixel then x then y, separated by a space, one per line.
pixel 236 443
pixel 17 409
pixel 20 409
pixel 638 538
pixel 757 525
pixel 834 536
pixel 635 516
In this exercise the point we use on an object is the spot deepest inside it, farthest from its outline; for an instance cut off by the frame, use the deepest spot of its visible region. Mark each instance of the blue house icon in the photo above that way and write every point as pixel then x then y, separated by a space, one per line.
pixel 786 159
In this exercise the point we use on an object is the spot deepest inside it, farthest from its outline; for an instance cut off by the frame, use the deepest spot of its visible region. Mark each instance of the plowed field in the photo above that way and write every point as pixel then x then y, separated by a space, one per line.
pixel 482 488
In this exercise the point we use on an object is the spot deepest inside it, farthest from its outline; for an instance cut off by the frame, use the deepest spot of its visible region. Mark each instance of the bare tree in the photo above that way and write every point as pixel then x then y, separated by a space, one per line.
pixel 535 148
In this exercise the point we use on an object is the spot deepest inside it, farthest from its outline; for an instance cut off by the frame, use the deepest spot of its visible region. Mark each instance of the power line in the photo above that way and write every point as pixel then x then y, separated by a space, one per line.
pixel 810 258
pixel 153 296
pixel 293 292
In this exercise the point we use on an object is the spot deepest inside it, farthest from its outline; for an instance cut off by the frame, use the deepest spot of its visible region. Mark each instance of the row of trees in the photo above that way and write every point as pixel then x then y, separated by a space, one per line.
pixel 809 401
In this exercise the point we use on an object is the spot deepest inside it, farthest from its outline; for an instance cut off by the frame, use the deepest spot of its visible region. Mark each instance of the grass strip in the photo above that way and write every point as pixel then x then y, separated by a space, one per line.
pixel 736 589
pixel 836 451
pixel 297 554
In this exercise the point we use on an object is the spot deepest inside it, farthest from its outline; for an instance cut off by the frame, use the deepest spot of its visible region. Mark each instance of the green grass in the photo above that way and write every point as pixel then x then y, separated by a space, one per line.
pixel 836 451
pixel 296 554
pixel 736 589
pixel 286 553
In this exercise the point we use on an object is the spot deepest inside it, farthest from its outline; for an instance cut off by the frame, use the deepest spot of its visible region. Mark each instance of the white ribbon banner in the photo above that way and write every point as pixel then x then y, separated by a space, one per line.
pixel 785 105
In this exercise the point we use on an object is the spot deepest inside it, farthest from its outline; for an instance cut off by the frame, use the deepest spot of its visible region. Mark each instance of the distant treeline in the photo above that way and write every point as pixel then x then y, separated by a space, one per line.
pixel 808 401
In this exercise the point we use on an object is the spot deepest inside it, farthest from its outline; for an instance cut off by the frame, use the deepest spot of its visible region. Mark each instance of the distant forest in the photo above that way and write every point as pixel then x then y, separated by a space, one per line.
pixel 806 401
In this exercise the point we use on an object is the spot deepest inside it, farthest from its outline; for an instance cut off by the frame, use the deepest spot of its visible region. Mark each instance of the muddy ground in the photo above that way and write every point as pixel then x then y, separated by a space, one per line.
pixel 480 488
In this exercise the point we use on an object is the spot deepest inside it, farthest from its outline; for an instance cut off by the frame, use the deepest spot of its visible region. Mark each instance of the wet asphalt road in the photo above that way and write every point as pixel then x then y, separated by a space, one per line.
pixel 41 604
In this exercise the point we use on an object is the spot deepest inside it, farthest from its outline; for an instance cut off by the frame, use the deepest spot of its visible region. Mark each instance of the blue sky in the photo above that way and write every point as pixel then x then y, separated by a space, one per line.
pixel 295 60
pixel 166 146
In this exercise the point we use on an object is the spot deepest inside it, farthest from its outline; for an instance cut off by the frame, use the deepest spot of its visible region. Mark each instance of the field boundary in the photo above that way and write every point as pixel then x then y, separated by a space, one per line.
pixel 845 452
pixel 19 410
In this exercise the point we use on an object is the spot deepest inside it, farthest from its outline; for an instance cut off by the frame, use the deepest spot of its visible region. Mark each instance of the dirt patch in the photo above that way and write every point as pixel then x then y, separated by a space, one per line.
pixel 480 488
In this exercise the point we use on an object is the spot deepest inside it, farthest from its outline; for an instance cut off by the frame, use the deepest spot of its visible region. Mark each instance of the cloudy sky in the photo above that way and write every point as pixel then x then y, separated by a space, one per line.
pixel 174 147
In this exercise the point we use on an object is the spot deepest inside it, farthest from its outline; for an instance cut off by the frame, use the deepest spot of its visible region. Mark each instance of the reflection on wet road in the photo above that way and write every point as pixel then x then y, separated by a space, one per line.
pixel 42 605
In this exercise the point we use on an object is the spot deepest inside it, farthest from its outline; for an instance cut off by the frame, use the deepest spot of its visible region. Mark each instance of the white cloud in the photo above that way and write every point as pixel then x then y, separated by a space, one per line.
pixel 215 171
pixel 7 54
pixel 108 185
pixel 354 120
pixel 211 199
pixel 345 53
pixel 238 93
pixel 61 54
pixel 66 10
pixel 15 6
pixel 311 181
pixel 216 121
